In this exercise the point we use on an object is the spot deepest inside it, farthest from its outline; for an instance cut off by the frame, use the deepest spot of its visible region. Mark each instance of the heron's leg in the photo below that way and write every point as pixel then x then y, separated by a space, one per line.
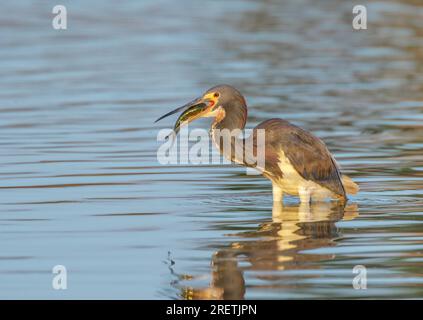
pixel 277 193
pixel 305 195
pixel 305 199
pixel 277 210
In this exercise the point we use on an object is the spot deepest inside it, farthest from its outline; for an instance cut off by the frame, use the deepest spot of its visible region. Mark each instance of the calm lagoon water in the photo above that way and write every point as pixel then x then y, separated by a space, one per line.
pixel 80 184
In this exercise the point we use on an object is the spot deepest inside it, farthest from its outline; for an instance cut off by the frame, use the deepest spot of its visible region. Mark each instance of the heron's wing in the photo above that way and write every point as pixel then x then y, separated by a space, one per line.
pixel 307 154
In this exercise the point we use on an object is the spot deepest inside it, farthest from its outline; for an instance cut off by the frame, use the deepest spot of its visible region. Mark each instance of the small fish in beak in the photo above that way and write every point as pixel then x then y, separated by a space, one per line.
pixel 193 110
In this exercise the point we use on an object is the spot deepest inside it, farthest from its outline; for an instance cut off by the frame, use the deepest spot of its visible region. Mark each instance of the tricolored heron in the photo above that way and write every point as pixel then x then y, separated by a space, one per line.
pixel 296 162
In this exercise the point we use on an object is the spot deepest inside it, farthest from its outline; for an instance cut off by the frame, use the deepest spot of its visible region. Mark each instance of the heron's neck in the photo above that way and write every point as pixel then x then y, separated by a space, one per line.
pixel 227 133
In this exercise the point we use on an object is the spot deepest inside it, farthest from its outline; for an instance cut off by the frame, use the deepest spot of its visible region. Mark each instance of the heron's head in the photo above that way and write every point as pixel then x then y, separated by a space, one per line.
pixel 219 102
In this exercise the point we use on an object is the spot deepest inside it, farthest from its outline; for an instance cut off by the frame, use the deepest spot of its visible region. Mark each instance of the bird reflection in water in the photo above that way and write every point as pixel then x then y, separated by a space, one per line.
pixel 279 247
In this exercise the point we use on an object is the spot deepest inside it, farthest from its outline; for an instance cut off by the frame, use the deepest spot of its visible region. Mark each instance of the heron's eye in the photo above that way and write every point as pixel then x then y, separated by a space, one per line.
pixel 216 95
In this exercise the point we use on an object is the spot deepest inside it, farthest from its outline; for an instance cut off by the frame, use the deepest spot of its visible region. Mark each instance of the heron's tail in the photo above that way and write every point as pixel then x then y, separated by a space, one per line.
pixel 350 186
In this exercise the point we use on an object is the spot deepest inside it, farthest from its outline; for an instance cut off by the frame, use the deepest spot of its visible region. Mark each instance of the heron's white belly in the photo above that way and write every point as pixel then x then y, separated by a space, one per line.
pixel 294 184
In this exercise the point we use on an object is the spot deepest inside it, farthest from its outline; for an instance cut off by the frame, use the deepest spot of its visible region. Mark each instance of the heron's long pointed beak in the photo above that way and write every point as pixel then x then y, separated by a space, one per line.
pixel 192 110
